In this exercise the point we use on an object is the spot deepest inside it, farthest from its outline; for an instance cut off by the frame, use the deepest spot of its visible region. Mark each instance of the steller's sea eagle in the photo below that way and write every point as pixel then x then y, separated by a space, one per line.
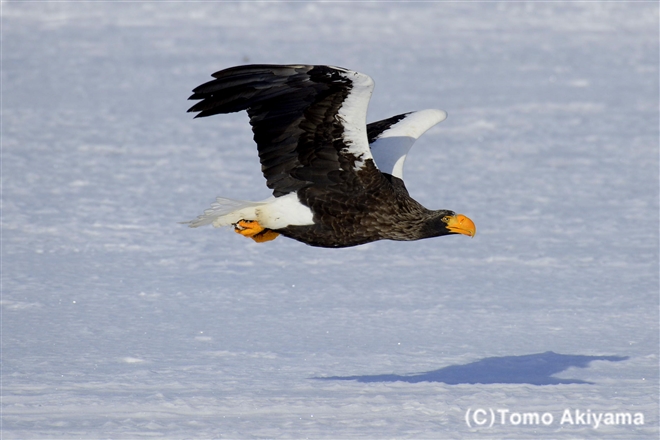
pixel 336 181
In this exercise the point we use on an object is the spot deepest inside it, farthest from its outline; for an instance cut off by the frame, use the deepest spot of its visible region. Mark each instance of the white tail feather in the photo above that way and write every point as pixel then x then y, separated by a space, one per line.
pixel 224 212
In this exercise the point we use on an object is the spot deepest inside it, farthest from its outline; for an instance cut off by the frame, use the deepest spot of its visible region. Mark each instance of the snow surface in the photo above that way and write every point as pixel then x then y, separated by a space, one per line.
pixel 117 322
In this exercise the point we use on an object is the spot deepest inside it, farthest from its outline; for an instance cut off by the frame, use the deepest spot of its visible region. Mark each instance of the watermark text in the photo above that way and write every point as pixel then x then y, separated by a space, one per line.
pixel 489 417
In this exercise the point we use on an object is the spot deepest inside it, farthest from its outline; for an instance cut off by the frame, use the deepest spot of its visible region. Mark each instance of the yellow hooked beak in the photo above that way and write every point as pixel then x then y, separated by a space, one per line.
pixel 460 224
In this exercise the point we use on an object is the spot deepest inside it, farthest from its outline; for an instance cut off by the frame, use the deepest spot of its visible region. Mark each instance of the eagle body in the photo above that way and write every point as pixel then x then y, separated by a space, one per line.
pixel 336 181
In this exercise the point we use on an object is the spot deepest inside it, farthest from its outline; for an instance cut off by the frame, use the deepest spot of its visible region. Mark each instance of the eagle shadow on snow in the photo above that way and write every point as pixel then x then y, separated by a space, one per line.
pixel 533 369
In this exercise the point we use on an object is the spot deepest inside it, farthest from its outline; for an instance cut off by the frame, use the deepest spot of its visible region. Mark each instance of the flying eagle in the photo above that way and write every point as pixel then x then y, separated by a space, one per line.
pixel 336 181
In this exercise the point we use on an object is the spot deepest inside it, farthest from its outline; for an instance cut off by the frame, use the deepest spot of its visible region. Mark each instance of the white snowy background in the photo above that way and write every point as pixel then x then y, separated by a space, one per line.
pixel 117 322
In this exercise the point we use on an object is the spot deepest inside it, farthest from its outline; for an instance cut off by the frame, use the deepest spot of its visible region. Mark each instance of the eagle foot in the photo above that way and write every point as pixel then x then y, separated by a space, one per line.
pixel 253 230
pixel 266 235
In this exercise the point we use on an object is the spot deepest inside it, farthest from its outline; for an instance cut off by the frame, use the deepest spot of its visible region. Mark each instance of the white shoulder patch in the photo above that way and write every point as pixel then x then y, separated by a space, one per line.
pixel 353 115
pixel 391 147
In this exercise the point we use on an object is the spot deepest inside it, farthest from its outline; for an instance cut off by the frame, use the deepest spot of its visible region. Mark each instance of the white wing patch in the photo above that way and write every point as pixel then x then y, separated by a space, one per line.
pixel 353 115
pixel 391 147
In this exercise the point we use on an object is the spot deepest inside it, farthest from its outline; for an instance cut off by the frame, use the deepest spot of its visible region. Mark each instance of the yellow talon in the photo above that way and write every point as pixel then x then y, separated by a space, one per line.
pixel 252 229
pixel 248 228
pixel 266 235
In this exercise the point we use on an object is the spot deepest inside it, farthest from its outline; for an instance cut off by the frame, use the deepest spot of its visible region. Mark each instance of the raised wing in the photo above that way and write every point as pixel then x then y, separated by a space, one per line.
pixel 309 122
pixel 392 138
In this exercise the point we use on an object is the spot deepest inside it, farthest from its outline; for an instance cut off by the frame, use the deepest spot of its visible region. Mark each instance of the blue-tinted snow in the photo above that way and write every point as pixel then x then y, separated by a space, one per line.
pixel 117 322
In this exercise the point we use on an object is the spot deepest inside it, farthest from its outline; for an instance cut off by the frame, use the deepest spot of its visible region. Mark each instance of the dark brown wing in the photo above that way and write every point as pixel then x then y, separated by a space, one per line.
pixel 309 122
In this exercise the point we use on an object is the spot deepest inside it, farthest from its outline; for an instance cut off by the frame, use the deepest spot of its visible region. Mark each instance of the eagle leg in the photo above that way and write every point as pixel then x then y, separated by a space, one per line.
pixel 252 229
